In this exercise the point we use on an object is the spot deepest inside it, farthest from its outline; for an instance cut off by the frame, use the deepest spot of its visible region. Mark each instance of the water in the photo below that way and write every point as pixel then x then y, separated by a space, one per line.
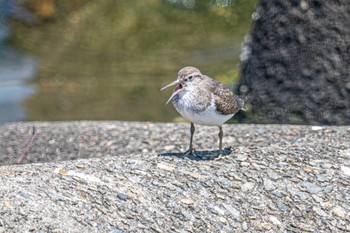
pixel 16 68
pixel 15 71
pixel 106 60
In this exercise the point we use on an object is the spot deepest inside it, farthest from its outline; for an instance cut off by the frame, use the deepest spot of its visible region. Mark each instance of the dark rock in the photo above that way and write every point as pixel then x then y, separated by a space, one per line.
pixel 122 196
pixel 296 63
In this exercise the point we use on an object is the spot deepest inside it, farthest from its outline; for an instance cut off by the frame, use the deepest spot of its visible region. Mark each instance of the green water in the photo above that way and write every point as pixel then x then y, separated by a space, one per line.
pixel 107 60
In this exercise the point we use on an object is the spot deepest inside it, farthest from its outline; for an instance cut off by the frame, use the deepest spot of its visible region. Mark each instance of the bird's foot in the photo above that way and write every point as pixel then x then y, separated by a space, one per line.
pixel 222 154
pixel 190 152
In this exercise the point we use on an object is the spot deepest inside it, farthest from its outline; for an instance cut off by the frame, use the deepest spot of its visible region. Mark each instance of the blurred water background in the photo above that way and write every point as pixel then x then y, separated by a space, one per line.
pixel 106 60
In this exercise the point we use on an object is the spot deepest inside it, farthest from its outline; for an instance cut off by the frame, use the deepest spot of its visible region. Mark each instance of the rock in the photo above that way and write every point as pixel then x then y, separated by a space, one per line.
pixel 167 167
pixel 187 201
pixel 124 190
pixel 134 191
pixel 122 196
pixel 245 226
pixel 324 177
pixel 345 170
pixel 305 227
pixel 247 187
pixel 326 205
pixel 307 169
pixel 266 226
pixel 269 185
pixel 345 153
pixel 244 164
pixel 169 147
pixel 235 213
pixel 339 211
pixel 328 189
pixel 222 219
pixel 24 195
pixel 282 206
pixel 219 196
pixel 115 230
pixel 280 80
pixel 273 175
pixel 319 211
pixel 275 220
pixel 316 128
pixel 241 157
pixel 277 193
pixel 310 187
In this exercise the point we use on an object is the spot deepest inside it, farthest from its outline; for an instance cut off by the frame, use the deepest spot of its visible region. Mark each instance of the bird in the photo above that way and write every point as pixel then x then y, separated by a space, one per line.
pixel 204 101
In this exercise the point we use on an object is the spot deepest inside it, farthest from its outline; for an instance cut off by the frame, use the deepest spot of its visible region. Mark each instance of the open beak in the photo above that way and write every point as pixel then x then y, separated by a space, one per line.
pixel 177 90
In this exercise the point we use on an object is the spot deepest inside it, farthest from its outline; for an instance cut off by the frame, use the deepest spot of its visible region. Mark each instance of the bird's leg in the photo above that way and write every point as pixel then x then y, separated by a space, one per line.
pixel 221 134
pixel 190 150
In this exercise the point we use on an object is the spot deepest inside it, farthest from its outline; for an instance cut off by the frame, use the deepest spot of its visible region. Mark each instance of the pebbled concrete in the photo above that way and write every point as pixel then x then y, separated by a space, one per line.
pixel 131 177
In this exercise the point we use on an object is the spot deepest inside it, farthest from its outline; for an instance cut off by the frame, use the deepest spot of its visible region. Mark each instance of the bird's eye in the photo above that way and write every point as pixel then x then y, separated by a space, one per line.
pixel 190 78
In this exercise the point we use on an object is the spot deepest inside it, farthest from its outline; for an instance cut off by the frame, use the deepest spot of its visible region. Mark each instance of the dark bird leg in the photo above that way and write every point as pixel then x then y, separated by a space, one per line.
pixel 190 150
pixel 221 134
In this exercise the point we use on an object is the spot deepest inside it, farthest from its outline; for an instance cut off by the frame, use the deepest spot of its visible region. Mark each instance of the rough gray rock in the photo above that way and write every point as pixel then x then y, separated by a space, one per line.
pixel 296 63
pixel 278 178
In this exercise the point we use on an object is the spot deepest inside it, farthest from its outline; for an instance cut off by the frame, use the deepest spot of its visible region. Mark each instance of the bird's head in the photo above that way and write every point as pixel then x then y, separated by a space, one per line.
pixel 187 78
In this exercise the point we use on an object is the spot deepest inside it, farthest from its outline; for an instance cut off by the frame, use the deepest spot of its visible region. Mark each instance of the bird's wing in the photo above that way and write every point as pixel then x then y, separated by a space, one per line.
pixel 226 102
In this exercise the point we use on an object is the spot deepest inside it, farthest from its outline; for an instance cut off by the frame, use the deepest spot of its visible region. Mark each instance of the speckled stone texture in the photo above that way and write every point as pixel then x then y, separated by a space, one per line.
pixel 275 178
pixel 296 63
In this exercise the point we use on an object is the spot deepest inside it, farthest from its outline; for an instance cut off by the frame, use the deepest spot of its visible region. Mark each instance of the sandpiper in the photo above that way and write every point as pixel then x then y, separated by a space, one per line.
pixel 203 101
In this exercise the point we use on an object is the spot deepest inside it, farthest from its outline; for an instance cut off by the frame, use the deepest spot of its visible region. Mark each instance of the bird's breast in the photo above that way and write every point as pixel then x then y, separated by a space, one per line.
pixel 193 100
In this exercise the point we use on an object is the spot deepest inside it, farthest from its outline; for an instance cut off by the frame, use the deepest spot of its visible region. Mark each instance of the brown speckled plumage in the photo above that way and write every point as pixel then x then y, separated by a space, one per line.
pixel 226 102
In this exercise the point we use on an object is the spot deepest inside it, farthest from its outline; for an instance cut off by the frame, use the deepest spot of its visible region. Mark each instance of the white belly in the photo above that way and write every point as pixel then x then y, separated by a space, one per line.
pixel 207 117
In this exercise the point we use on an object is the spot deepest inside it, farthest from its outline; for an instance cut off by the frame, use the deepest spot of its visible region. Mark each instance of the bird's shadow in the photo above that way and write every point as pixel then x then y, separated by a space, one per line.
pixel 199 155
